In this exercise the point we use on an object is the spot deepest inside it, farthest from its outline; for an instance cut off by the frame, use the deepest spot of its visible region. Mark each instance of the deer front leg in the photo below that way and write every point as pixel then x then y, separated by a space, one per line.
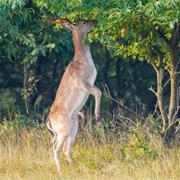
pixel 93 90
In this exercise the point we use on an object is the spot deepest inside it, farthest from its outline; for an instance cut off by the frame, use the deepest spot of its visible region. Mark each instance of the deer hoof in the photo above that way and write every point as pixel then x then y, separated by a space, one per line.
pixel 98 118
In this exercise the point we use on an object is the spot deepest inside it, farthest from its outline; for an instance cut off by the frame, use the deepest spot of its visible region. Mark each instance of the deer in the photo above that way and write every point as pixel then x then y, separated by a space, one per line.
pixel 76 85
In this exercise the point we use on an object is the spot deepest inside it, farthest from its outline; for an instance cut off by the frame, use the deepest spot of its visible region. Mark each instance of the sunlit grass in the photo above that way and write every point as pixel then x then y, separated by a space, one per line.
pixel 28 155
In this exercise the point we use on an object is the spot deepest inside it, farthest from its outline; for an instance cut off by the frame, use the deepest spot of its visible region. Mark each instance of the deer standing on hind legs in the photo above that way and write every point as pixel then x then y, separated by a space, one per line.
pixel 76 85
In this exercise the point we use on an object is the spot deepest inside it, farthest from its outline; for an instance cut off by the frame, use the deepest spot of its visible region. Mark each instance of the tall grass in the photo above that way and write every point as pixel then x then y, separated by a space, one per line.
pixel 25 153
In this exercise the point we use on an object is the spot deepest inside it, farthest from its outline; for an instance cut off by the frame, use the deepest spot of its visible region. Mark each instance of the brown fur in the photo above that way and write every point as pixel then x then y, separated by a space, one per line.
pixel 76 85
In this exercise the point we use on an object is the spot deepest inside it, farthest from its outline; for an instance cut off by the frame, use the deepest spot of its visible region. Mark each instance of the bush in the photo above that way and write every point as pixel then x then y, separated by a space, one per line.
pixel 139 144
pixel 15 125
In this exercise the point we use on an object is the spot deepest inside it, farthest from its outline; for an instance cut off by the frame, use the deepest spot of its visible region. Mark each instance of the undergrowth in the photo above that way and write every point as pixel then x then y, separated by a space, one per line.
pixel 99 153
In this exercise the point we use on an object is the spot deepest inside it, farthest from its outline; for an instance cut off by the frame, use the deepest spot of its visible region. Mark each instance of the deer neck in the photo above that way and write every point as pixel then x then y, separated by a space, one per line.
pixel 81 50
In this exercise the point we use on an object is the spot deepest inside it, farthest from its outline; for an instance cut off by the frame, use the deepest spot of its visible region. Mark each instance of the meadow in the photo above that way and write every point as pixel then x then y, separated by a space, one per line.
pixel 26 153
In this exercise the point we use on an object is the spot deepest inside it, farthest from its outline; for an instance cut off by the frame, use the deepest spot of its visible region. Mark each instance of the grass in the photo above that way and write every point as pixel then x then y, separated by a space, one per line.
pixel 27 155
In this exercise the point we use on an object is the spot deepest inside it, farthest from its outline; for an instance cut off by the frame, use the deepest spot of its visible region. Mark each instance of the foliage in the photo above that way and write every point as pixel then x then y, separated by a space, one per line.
pixel 7 104
pixel 15 126
pixel 28 154
pixel 33 57
pixel 26 37
pixel 139 145
pixel 141 20
pixel 124 32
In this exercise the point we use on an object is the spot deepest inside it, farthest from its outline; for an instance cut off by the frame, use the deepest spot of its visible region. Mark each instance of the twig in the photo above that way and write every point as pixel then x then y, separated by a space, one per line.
pixel 122 105
pixel 151 89
pixel 165 84
pixel 6 82
pixel 111 46
pixel 155 109
pixel 128 119
pixel 176 112
pixel 58 20
pixel 124 125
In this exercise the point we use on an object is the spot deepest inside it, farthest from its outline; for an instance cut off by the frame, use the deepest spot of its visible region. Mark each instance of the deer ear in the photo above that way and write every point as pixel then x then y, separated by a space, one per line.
pixel 69 26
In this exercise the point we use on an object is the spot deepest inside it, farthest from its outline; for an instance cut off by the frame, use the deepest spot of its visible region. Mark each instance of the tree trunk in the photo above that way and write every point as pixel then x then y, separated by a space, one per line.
pixel 159 94
pixel 118 79
pixel 174 52
pixel 174 88
pixel 174 101
pixel 160 99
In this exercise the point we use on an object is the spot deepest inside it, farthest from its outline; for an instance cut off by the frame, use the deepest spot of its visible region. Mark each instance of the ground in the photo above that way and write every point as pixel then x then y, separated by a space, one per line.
pixel 28 155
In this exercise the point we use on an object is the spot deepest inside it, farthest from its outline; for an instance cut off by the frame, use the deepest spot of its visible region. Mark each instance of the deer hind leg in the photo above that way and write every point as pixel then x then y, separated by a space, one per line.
pixel 57 146
pixel 67 148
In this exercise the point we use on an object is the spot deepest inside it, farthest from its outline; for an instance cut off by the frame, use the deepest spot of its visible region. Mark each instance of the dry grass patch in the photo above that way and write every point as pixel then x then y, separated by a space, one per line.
pixel 28 155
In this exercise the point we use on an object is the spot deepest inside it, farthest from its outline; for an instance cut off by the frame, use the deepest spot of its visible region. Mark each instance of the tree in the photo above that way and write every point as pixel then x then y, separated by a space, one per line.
pixel 153 35
pixel 141 30
pixel 27 39
pixel 145 30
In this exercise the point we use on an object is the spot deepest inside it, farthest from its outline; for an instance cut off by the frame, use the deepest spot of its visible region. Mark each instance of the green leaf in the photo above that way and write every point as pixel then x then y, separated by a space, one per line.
pixel 51 45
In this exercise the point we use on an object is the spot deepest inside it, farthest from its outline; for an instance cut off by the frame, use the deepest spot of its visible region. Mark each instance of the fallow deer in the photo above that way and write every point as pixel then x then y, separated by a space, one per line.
pixel 76 85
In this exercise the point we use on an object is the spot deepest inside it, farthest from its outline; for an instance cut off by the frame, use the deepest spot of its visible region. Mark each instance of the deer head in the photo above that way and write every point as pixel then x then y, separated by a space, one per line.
pixel 81 26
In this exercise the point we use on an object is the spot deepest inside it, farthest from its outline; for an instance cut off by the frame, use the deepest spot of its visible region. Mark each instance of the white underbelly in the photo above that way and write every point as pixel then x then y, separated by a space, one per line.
pixel 92 77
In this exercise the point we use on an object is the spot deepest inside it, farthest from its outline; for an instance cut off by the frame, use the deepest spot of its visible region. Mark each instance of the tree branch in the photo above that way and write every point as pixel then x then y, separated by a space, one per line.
pixel 122 105
pixel 152 90
pixel 165 84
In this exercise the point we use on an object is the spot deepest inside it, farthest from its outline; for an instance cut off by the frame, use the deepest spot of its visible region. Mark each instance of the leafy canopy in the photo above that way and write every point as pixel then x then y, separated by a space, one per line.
pixel 145 22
